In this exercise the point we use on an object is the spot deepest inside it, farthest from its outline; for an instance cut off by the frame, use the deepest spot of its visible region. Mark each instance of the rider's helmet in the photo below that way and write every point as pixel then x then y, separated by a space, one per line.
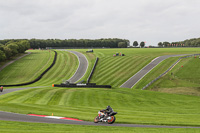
pixel 108 107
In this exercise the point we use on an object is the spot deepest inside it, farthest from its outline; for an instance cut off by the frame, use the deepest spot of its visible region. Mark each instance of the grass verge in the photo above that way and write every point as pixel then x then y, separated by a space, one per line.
pixel 22 127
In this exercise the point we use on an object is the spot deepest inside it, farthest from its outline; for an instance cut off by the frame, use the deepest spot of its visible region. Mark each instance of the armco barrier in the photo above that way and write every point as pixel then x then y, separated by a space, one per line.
pixel 38 78
pixel 167 71
pixel 90 76
pixel 83 86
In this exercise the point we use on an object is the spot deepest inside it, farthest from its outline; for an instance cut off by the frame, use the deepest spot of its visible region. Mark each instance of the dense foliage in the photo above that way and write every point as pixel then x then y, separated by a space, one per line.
pixel 195 42
pixel 142 44
pixel 135 43
pixel 81 43
pixel 11 48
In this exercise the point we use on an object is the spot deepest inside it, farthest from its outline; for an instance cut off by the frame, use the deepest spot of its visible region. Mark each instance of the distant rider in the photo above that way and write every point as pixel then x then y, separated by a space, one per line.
pixel 1 88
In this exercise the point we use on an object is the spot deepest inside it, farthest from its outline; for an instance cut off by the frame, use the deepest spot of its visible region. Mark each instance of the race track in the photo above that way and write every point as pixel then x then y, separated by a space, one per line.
pixel 26 118
pixel 139 75
pixel 80 72
pixel 82 68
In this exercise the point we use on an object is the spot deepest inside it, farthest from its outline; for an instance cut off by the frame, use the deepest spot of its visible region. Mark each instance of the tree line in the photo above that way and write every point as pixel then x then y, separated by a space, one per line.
pixel 194 42
pixel 78 43
pixel 11 48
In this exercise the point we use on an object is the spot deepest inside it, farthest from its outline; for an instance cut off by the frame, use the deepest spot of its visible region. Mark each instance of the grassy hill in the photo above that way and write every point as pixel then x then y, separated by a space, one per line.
pixel 132 105
pixel 116 70
pixel 181 80
pixel 31 66
pixel 27 68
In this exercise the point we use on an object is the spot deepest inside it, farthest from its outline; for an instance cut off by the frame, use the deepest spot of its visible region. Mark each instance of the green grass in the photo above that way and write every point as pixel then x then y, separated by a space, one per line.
pixel 115 71
pixel 181 80
pixel 64 69
pixel 141 107
pixel 12 58
pixel 22 127
pixel 157 71
pixel 133 106
pixel 27 68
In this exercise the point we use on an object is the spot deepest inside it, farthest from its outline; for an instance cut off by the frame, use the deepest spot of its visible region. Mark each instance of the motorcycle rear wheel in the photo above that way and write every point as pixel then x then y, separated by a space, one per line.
pixel 112 120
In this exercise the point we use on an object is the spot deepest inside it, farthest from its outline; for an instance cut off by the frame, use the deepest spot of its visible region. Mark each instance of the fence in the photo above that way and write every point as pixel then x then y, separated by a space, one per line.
pixel 167 71
pixel 90 76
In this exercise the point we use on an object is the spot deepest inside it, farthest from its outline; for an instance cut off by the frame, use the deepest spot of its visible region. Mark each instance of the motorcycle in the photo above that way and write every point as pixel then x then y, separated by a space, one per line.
pixel 109 118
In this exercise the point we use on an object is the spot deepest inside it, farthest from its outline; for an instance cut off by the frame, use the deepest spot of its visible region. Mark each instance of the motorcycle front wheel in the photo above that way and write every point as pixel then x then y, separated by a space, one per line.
pixel 112 120
pixel 96 119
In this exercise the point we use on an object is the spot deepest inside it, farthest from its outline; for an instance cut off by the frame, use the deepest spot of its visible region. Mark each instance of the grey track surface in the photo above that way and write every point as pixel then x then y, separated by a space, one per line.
pixel 26 118
pixel 139 75
pixel 83 65
pixel 5 91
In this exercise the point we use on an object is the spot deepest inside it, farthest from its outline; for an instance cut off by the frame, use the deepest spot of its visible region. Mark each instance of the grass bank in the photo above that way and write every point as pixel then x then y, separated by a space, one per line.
pixel 184 78
pixel 116 70
pixel 22 127
pixel 133 106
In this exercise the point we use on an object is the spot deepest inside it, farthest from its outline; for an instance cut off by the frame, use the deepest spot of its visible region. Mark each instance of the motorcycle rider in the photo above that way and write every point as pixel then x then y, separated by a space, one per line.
pixel 105 112
pixel 1 89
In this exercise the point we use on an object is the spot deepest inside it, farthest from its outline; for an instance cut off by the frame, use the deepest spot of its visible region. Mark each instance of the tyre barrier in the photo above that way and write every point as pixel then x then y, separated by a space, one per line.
pixel 87 85
pixel 167 70
pixel 90 76
pixel 38 78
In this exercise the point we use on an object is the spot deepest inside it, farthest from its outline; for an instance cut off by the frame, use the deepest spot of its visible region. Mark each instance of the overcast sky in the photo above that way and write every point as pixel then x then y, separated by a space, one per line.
pixel 151 21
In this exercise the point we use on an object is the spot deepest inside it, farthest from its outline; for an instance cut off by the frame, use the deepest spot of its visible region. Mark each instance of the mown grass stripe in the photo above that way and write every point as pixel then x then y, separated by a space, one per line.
pixel 107 69
pixel 55 99
pixel 123 61
pixel 108 64
pixel 36 97
pixel 67 99
pixel 110 71
pixel 26 96
pixel 64 97
pixel 125 71
pixel 47 97
pixel 12 96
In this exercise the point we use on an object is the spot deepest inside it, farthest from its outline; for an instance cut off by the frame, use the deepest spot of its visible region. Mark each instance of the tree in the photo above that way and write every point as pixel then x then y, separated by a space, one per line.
pixel 14 47
pixel 8 52
pixel 135 43
pixel 160 44
pixel 122 45
pixel 142 44
pixel 166 44
pixel 2 47
pixel 23 46
pixel 2 56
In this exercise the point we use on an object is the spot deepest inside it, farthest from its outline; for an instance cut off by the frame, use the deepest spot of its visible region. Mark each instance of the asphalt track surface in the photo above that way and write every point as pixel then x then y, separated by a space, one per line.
pixel 34 119
pixel 82 68
pixel 139 75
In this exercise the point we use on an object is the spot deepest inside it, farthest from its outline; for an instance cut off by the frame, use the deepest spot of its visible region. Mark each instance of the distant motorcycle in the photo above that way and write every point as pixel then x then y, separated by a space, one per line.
pixel 108 117
pixel 1 89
